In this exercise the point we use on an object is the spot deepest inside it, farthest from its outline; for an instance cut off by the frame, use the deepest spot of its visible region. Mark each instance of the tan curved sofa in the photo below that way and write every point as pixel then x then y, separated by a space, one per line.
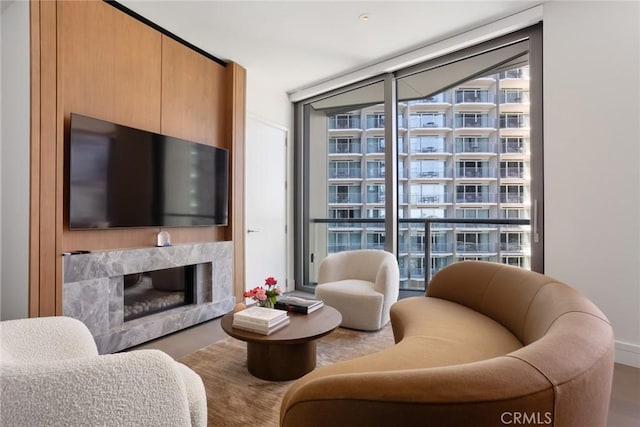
pixel 489 345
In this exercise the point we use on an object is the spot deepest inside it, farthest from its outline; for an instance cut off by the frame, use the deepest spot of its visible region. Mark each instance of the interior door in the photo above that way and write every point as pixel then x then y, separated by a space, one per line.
pixel 266 171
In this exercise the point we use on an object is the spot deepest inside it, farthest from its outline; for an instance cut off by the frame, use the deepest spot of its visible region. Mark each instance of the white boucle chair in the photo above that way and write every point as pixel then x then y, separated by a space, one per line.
pixel 361 285
pixel 51 375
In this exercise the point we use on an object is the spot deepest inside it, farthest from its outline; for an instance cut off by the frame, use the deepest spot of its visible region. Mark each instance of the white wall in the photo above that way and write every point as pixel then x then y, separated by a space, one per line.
pixel 592 158
pixel 14 161
pixel 268 102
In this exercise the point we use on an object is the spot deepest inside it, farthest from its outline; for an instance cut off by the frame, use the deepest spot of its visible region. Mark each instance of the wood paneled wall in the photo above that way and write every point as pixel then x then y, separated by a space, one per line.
pixel 235 129
pixel 93 59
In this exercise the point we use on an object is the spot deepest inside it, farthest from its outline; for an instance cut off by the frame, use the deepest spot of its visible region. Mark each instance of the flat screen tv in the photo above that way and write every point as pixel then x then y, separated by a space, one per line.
pixel 125 177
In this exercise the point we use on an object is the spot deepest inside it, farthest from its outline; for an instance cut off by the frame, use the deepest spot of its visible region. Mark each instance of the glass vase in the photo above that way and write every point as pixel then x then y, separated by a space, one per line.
pixel 270 302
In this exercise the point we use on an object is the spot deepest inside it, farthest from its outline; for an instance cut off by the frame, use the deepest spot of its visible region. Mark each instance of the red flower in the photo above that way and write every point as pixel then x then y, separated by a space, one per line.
pixel 258 293
pixel 261 294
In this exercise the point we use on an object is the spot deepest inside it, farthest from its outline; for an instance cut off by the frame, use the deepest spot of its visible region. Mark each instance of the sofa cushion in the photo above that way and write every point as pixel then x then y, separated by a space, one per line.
pixel 357 301
pixel 351 288
pixel 441 334
pixel 457 332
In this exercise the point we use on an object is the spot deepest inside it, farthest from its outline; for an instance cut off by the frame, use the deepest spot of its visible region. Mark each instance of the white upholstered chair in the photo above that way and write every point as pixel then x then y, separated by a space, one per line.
pixel 361 285
pixel 51 375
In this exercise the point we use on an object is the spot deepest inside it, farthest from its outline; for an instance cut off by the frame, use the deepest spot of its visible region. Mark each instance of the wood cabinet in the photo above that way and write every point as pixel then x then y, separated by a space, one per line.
pixel 109 65
pixel 192 95
pixel 96 60
pixel 193 103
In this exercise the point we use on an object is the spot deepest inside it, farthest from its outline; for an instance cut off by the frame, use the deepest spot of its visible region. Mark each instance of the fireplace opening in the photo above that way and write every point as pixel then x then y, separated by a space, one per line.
pixel 159 290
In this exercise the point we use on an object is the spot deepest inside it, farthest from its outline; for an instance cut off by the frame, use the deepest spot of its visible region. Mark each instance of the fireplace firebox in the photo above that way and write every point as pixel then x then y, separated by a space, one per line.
pixel 151 292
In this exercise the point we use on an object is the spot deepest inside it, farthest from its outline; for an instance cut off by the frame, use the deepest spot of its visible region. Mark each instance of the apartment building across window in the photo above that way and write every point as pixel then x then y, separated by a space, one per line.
pixel 463 153
pixel 443 172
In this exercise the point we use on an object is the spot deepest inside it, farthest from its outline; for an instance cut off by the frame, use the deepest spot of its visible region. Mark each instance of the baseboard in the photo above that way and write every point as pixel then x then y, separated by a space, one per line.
pixel 628 354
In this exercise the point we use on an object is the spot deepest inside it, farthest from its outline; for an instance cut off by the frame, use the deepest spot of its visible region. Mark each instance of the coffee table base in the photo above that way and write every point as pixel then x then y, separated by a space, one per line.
pixel 281 362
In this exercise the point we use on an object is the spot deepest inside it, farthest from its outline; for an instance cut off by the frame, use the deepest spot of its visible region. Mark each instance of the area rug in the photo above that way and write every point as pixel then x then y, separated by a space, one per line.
pixel 237 398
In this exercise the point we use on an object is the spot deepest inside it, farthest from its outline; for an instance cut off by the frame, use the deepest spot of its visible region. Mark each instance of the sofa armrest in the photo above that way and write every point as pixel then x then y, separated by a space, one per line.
pixel 330 270
pixel 141 388
pixel 388 279
pixel 468 394
pixel 50 338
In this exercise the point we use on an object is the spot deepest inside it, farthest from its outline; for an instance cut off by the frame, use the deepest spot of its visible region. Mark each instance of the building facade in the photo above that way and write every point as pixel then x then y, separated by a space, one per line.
pixel 463 153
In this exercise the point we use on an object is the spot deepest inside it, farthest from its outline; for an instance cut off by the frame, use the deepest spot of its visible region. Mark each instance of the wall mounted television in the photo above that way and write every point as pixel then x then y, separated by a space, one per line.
pixel 123 177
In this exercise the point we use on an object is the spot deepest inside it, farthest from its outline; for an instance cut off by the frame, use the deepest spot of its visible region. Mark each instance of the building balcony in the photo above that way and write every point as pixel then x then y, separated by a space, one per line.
pixel 378 173
pixel 485 172
pixel 474 123
pixel 345 174
pixel 516 173
pixel 441 98
pixel 513 97
pixel 515 147
pixel 468 247
pixel 345 199
pixel 517 248
pixel 435 199
pixel 514 122
pixel 375 199
pixel 512 198
pixel 484 227
pixel 342 123
pixel 479 96
pixel 338 247
pixel 376 123
pixel 476 198
pixel 518 73
pixel 336 226
pixel 346 149
pixel 476 147
pixel 431 149
pixel 418 123
pixel 430 174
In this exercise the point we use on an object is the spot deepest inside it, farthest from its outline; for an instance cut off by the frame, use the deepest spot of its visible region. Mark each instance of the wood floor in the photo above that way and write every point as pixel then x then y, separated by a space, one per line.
pixel 624 409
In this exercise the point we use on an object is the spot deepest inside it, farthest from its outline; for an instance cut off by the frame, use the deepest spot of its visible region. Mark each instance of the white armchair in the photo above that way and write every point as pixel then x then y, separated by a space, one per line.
pixel 51 375
pixel 361 285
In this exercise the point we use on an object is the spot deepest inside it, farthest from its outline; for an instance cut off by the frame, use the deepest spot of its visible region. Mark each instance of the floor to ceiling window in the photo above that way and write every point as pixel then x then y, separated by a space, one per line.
pixel 438 163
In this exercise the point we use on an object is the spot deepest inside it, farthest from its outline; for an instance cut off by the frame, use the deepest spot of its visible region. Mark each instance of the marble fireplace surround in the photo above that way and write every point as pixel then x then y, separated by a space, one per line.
pixel 93 290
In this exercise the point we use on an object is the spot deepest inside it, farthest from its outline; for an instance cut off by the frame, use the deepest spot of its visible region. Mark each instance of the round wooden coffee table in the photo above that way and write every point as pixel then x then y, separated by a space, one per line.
pixel 289 353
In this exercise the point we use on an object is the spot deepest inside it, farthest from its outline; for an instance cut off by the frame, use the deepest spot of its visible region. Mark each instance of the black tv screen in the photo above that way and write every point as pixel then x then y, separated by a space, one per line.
pixel 125 177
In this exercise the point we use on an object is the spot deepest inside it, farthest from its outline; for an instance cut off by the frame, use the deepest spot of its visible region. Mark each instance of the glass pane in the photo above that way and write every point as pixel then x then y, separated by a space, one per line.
pixel 468 159
pixel 346 169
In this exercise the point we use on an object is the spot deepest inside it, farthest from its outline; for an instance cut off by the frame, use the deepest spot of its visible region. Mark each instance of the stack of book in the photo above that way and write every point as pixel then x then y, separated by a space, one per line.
pixel 298 304
pixel 260 320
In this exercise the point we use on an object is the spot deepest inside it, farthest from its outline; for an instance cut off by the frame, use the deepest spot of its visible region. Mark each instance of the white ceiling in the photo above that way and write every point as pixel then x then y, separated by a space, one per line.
pixel 296 43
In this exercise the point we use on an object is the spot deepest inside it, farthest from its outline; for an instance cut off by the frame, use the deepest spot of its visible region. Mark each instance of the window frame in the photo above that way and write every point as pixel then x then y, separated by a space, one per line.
pixel 533 35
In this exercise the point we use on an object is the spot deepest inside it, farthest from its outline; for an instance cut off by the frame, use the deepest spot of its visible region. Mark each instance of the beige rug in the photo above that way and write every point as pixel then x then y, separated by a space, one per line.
pixel 237 398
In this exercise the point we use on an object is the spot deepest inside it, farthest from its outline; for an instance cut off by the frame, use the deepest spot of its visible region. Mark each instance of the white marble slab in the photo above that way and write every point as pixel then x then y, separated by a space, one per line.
pixel 93 290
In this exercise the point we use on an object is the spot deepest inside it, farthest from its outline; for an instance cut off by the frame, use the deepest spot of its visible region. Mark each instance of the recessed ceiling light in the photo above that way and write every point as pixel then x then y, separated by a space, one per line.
pixel 364 17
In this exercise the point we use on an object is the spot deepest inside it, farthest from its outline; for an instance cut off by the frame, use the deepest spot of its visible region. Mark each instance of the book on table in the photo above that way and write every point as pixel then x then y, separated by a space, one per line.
pixel 299 304
pixel 260 316
pixel 260 329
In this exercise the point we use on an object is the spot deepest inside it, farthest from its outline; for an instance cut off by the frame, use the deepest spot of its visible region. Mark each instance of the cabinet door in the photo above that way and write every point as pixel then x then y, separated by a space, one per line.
pixel 137 70
pixel 193 95
pixel 109 65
